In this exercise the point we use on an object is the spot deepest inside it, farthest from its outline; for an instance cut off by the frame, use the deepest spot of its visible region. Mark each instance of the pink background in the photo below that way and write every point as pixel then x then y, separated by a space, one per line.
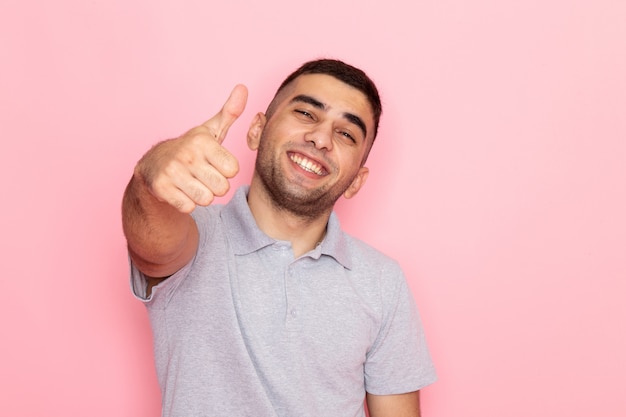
pixel 498 181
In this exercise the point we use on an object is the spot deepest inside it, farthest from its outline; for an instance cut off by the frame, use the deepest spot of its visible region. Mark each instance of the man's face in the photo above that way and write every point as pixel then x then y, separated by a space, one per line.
pixel 312 146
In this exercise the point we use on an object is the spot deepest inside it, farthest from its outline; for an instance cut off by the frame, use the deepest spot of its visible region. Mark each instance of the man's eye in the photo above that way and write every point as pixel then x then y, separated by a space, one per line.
pixel 305 113
pixel 347 135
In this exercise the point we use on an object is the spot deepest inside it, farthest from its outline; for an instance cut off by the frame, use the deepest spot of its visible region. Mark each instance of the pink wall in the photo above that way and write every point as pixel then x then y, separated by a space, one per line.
pixel 498 181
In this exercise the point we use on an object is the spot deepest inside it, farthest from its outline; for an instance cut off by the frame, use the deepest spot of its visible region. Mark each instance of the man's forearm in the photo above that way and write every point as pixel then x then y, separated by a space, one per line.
pixel 159 237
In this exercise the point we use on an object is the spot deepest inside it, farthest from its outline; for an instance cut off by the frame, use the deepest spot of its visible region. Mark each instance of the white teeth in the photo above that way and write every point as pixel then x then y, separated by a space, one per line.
pixel 306 164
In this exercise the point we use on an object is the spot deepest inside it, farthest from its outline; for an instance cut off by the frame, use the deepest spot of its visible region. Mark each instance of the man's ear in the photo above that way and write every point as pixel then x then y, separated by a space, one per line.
pixel 357 182
pixel 255 130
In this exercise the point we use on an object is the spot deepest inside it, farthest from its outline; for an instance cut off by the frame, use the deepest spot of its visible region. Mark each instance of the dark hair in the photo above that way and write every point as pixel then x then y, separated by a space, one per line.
pixel 346 73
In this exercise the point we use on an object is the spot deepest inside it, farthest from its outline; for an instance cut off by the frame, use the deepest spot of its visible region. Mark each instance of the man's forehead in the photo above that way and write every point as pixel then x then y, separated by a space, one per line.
pixel 326 88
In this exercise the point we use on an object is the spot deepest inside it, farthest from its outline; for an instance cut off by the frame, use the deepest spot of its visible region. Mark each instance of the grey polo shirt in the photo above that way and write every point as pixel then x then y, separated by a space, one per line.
pixel 246 329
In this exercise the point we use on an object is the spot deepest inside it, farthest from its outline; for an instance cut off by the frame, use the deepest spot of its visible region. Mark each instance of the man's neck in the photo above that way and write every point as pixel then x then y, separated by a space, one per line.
pixel 303 233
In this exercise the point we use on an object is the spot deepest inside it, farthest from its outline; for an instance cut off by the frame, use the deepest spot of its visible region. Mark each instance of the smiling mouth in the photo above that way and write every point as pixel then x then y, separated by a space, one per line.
pixel 307 165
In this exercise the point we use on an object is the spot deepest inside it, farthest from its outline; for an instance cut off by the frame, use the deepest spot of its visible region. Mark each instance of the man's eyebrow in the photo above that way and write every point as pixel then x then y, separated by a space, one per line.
pixel 352 118
pixel 303 98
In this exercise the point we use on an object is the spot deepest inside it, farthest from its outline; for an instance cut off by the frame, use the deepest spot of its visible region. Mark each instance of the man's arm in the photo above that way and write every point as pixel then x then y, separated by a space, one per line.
pixel 401 405
pixel 167 184
pixel 161 239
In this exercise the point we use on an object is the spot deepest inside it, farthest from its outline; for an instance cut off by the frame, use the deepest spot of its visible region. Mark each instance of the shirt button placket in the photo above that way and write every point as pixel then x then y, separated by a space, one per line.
pixel 292 297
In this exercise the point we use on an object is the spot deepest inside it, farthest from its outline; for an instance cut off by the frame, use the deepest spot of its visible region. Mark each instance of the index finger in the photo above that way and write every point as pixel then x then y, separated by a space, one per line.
pixel 232 109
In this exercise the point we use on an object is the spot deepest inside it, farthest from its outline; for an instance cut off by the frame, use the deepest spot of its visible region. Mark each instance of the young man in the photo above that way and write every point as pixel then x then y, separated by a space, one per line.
pixel 263 306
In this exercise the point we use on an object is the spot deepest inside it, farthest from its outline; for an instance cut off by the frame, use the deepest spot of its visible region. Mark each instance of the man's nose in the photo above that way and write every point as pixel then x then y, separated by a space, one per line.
pixel 321 137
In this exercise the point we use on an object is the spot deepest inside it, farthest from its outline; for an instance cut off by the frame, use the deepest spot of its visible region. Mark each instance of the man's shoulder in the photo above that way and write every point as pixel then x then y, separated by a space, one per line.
pixel 364 255
pixel 236 205
pixel 206 214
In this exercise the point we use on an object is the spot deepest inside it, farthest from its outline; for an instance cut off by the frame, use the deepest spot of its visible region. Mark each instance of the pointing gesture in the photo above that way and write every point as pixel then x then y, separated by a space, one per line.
pixel 194 168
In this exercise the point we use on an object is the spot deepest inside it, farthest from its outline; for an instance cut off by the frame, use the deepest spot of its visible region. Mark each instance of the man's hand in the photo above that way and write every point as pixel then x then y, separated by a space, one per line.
pixel 194 168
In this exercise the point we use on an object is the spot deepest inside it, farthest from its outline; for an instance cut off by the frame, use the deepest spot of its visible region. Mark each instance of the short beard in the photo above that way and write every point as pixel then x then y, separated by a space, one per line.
pixel 285 197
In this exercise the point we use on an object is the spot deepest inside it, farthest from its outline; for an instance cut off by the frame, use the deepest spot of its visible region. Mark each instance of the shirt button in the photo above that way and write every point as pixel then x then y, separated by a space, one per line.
pixel 294 313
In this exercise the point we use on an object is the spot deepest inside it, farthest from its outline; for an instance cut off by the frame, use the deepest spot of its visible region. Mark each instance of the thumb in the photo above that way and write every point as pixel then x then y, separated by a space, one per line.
pixel 232 109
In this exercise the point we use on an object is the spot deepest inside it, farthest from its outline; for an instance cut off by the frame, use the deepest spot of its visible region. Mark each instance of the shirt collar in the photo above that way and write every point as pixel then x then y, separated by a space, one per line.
pixel 245 236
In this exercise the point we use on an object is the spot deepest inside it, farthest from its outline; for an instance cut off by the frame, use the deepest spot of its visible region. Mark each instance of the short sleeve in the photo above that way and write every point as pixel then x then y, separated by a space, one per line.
pixel 398 361
pixel 161 293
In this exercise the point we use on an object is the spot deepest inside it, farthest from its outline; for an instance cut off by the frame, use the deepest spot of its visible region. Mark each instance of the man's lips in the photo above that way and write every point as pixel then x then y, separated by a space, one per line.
pixel 307 164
